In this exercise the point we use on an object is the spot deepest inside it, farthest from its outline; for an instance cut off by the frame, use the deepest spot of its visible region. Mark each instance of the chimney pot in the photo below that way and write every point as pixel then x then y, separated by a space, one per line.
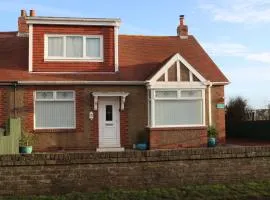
pixel 182 17
pixel 32 13
pixel 23 13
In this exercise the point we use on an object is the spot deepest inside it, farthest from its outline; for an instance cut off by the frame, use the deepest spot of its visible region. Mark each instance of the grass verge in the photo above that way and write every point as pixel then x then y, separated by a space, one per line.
pixel 251 190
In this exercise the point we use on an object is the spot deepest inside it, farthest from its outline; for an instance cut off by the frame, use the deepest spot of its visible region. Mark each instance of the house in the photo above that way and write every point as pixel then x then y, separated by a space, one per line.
pixel 80 85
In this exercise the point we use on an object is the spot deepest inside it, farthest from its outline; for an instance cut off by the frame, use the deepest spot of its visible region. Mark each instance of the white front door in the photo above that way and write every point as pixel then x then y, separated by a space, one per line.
pixel 109 122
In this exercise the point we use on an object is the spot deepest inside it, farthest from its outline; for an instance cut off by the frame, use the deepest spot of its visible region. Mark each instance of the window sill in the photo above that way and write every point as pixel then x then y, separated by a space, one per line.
pixel 72 130
pixel 72 60
pixel 199 127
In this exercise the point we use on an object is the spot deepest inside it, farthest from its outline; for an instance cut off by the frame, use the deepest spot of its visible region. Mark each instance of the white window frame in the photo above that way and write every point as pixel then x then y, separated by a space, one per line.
pixel 151 102
pixel 64 58
pixel 54 99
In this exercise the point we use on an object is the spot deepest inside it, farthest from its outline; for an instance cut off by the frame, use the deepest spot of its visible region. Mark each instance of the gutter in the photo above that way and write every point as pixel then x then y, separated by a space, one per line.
pixel 81 82
pixel 220 83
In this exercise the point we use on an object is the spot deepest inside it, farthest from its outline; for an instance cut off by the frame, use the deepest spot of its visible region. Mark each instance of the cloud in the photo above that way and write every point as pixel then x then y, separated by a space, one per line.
pixel 235 50
pixel 239 11
pixel 251 74
pixel 261 57
pixel 225 49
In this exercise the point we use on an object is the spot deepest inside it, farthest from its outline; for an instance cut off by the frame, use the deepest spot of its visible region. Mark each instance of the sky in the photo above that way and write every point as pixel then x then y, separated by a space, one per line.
pixel 235 33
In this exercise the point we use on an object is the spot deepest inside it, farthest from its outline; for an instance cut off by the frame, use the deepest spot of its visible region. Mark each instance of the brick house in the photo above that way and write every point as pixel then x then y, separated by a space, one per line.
pixel 77 84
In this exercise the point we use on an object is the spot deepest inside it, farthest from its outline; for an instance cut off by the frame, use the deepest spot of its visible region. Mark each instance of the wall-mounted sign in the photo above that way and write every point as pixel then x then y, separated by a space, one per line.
pixel 221 105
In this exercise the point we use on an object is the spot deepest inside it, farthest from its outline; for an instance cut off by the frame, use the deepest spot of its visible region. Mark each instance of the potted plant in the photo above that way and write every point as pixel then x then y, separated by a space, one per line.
pixel 142 143
pixel 212 134
pixel 26 143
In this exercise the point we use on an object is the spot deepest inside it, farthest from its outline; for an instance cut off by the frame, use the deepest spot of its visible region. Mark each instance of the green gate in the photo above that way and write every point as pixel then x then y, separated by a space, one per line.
pixel 9 138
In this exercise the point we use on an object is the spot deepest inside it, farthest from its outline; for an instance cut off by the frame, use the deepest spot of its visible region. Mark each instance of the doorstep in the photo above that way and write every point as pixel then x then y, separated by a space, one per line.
pixel 110 149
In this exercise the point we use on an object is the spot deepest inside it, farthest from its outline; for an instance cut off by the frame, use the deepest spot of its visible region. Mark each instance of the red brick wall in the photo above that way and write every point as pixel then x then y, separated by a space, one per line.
pixel 124 127
pixel 22 26
pixel 218 114
pixel 172 138
pixel 38 49
pixel 3 106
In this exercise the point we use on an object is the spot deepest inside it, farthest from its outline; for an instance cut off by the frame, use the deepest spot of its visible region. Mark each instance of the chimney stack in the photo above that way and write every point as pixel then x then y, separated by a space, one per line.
pixel 22 26
pixel 182 29
pixel 32 13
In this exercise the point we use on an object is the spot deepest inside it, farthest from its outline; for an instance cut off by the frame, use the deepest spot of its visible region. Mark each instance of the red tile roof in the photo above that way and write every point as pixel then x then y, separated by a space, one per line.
pixel 139 58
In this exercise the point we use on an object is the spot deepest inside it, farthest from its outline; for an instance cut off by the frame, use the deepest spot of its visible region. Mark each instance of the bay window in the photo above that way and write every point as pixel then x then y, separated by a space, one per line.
pixel 73 47
pixel 176 107
pixel 54 110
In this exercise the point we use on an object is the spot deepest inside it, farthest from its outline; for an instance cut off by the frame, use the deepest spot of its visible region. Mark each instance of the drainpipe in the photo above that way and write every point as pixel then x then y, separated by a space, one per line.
pixel 14 100
pixel 210 103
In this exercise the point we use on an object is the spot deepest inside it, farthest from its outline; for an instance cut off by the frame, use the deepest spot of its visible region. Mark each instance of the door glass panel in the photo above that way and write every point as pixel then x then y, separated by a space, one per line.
pixel 109 115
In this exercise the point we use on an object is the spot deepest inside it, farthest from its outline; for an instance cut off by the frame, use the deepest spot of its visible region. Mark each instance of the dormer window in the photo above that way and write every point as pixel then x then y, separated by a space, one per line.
pixel 73 48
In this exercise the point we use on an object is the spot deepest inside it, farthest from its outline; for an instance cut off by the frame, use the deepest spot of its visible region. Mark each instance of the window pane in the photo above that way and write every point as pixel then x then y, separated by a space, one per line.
pixel 74 46
pixel 55 46
pixel 44 95
pixel 93 47
pixel 54 114
pixel 191 93
pixel 166 94
pixel 109 113
pixel 178 112
pixel 64 95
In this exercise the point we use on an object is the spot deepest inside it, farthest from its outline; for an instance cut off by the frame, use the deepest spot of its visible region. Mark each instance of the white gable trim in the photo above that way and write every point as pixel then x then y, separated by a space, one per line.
pixel 175 58
pixel 30 51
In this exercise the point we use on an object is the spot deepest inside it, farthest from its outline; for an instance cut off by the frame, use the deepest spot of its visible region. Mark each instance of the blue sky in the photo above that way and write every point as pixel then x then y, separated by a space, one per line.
pixel 234 32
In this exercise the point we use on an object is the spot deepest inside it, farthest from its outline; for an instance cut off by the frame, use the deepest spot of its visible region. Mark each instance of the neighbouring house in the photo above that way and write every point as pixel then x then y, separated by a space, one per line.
pixel 80 85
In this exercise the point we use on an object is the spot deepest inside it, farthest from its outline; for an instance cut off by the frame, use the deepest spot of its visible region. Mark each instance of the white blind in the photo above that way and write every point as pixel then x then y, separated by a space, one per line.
pixel 178 112
pixel 93 47
pixel 74 46
pixel 55 46
pixel 54 114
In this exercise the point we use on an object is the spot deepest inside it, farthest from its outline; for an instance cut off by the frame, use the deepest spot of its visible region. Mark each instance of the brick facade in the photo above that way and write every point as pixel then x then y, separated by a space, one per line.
pixel 3 106
pixel 39 65
pixel 173 138
pixel 133 119
pixel 218 115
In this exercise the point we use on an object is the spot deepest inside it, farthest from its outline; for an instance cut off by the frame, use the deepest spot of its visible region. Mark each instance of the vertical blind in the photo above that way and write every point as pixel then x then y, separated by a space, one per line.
pixel 54 114
pixel 178 112
pixel 172 107
pixel 54 109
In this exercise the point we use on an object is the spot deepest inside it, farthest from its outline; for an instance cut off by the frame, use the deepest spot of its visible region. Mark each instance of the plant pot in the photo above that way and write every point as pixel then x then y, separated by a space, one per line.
pixel 25 149
pixel 141 146
pixel 212 142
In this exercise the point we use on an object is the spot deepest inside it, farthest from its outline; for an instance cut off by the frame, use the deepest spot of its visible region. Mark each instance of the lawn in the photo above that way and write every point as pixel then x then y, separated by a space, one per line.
pixel 251 190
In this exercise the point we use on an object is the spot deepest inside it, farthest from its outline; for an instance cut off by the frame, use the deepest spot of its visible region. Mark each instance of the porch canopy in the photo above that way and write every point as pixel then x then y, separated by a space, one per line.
pixel 122 96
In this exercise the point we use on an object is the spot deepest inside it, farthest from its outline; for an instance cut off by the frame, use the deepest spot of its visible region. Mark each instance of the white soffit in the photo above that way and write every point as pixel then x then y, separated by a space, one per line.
pixel 74 21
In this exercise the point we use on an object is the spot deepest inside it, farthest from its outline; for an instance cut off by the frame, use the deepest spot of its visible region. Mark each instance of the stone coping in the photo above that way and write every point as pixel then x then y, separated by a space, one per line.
pixel 68 158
